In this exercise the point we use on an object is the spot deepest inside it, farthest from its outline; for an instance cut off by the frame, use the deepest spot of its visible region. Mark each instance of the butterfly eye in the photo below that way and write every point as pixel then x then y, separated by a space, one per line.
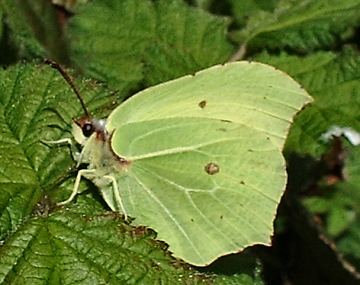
pixel 87 129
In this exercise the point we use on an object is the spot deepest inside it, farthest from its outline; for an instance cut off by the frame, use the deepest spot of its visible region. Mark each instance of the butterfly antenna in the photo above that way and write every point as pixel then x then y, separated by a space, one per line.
pixel 68 79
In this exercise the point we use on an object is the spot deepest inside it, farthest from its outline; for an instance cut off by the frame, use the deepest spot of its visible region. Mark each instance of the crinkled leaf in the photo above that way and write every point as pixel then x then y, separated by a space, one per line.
pixel 45 25
pixel 245 8
pixel 87 247
pixel 35 29
pixel 112 54
pixel 333 80
pixel 168 38
pixel 21 32
pixel 35 105
pixel 186 38
pixel 301 25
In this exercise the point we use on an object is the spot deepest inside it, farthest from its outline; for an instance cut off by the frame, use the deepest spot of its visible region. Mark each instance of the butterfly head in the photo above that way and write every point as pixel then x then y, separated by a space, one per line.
pixel 85 127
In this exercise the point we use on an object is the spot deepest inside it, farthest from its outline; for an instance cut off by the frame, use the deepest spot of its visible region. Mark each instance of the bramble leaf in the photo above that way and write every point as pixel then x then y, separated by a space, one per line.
pixel 112 55
pixel 35 29
pixel 35 105
pixel 185 37
pixel 245 8
pixel 83 247
pixel 146 40
pixel 301 25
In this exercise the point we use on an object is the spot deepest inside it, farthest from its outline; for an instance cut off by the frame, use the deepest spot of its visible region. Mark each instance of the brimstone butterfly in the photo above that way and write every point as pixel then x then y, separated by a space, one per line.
pixel 197 159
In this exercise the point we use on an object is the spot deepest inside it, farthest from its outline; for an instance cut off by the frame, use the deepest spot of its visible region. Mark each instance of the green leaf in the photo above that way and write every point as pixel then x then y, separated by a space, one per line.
pixel 302 25
pixel 149 42
pixel 20 31
pixel 333 80
pixel 178 147
pixel 69 247
pixel 245 8
pixel 36 30
pixel 186 38
pixel 349 244
pixel 32 99
pixel 113 55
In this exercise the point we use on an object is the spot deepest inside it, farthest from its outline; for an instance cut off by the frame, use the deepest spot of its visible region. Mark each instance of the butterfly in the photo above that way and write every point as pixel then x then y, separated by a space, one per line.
pixel 198 159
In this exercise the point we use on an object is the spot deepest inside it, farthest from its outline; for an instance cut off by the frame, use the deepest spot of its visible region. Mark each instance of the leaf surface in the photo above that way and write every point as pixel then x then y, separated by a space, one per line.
pixel 146 41
pixel 35 30
pixel 35 105
pixel 85 246
pixel 185 37
pixel 301 25
pixel 243 9
pixel 108 54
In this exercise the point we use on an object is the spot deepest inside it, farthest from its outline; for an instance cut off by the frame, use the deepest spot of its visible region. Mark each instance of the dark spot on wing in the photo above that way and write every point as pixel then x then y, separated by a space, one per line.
pixel 242 182
pixel 211 168
pixel 202 104
pixel 221 217
pixel 221 129
pixel 192 219
pixel 226 121
pixel 250 150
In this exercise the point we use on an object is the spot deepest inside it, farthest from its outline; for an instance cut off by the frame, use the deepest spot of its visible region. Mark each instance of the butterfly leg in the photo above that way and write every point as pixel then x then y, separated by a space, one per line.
pixel 66 141
pixel 60 141
pixel 81 173
pixel 117 195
